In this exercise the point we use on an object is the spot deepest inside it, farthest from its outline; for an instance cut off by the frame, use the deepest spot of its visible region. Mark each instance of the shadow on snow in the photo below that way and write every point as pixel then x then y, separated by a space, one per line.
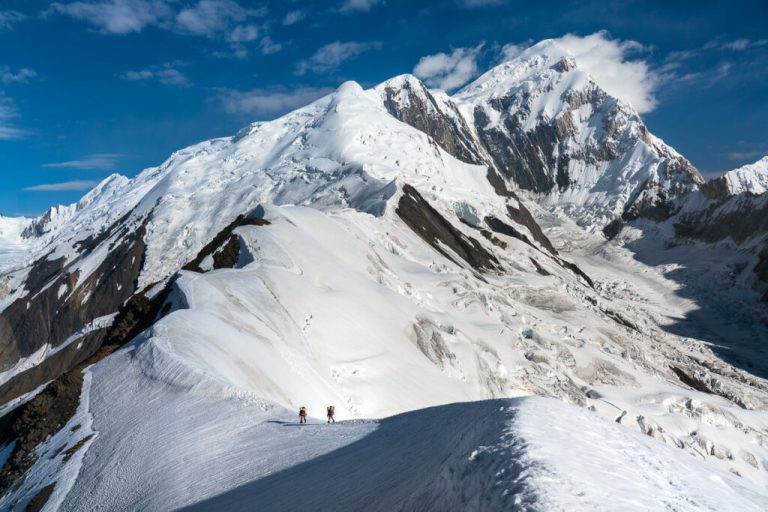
pixel 422 460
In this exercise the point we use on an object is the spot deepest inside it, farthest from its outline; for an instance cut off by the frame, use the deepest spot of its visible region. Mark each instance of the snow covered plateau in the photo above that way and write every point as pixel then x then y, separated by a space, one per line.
pixel 516 297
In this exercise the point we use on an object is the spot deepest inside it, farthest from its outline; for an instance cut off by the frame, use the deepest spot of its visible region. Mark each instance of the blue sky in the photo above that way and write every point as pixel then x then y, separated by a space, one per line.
pixel 91 87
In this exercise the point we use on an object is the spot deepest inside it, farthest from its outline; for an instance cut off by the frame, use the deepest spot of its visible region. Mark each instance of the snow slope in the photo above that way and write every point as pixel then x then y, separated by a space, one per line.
pixel 12 244
pixel 348 308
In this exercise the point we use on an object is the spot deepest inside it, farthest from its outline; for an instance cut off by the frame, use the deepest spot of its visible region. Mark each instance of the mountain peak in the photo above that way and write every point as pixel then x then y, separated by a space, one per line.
pixel 751 179
pixel 540 66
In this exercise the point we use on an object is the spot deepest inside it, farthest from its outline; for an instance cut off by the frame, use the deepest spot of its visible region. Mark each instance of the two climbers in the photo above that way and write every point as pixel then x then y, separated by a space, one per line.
pixel 330 410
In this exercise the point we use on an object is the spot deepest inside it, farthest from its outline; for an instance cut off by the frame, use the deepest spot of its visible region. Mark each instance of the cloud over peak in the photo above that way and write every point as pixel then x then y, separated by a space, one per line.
pixel 449 70
pixel 612 64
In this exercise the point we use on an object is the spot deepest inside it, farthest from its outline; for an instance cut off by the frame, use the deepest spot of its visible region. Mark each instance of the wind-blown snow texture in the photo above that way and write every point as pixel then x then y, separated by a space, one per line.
pixel 342 299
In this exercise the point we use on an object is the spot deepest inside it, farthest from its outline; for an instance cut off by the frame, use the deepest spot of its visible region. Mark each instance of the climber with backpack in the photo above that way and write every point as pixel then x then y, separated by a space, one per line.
pixel 331 410
pixel 302 414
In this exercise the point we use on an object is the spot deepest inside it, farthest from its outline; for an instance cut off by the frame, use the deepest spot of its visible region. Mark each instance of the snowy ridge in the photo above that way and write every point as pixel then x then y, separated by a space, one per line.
pixel 750 178
pixel 490 455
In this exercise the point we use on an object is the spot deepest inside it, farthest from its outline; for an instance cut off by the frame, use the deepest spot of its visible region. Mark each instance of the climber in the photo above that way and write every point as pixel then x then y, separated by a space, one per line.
pixel 330 411
pixel 302 414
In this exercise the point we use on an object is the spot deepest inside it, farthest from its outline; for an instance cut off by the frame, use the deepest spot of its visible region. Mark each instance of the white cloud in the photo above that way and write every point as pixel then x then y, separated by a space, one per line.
pixel 449 70
pixel 98 161
pixel 117 16
pixel 510 51
pixel 211 17
pixel 270 101
pixel 293 17
pixel 166 75
pixel 9 18
pixel 215 19
pixel 67 186
pixel 22 76
pixel 8 112
pixel 208 18
pixel 243 34
pixel 471 4
pixel 610 64
pixel 739 44
pixel 360 5
pixel 716 45
pixel 267 46
pixel 331 56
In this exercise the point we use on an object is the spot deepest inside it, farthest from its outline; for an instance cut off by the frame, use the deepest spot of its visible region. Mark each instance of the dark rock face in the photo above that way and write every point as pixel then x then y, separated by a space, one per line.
pixel 31 423
pixel 502 227
pixel 39 418
pixel 761 269
pixel 228 254
pixel 690 381
pixel 516 156
pixel 52 366
pixel 523 216
pixel 42 316
pixel 716 189
pixel 434 229
pixel 613 228
pixel 538 159
pixel 576 270
pixel 741 217
pixel 225 247
pixel 41 498
pixel 539 269
pixel 424 113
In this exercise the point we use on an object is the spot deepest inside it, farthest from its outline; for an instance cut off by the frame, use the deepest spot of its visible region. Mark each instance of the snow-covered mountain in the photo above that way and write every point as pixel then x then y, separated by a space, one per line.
pixel 749 179
pixel 552 130
pixel 384 250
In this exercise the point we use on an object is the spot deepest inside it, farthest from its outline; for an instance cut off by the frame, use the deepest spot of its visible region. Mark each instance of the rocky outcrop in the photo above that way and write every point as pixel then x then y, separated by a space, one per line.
pixel 522 216
pixel 716 189
pixel 408 100
pixel 34 421
pixel 224 248
pixel 58 302
pixel 434 229
pixel 740 218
